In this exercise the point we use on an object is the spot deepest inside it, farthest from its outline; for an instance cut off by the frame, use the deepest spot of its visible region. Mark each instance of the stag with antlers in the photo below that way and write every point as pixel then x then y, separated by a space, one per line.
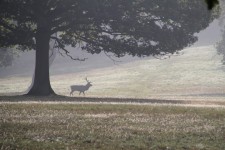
pixel 80 88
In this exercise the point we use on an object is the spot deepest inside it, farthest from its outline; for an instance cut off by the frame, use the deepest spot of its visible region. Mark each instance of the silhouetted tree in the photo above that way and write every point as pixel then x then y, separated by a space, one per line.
pixel 220 46
pixel 134 27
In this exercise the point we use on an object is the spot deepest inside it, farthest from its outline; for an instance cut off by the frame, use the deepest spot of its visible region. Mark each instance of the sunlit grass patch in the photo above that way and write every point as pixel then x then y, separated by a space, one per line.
pixel 85 126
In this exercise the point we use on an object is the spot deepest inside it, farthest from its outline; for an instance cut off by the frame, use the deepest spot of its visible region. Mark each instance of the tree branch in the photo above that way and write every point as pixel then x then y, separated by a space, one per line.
pixel 5 25
pixel 112 59
pixel 67 53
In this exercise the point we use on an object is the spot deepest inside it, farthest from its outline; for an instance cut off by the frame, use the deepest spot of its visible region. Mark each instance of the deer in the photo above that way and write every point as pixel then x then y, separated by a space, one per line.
pixel 80 88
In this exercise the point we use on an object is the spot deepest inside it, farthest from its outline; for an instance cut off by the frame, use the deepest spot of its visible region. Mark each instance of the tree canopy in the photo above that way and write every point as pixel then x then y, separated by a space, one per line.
pixel 212 3
pixel 134 27
pixel 137 27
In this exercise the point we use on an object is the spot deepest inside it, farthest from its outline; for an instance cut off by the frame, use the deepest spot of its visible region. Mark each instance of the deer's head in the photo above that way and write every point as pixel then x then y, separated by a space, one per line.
pixel 88 82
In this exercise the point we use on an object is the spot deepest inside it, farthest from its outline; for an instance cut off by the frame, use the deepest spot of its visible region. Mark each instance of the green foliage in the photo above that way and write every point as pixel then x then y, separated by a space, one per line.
pixel 212 3
pixel 138 27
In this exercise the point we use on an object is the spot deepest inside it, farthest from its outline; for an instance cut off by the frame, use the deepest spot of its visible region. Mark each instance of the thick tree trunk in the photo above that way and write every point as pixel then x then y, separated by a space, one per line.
pixel 41 85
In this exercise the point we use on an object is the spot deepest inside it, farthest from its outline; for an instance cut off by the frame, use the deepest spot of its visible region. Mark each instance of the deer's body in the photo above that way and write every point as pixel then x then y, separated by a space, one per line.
pixel 80 88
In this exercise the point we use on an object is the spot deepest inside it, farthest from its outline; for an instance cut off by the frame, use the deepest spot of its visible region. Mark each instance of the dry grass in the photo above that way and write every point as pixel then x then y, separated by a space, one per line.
pixel 85 126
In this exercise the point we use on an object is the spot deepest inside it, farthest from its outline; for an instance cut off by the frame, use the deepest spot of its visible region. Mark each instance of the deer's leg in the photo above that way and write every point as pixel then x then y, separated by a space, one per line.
pixel 71 93
pixel 79 93
pixel 83 93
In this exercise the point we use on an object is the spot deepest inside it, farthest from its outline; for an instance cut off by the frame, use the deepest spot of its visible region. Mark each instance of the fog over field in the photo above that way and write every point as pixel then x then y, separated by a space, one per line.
pixel 90 97
pixel 198 71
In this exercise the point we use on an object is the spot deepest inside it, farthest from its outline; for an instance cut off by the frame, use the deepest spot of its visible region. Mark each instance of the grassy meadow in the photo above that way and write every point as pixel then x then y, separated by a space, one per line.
pixel 196 74
pixel 171 104
pixel 103 126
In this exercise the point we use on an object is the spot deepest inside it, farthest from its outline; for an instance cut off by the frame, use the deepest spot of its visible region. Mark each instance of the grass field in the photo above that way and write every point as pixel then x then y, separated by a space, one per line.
pixel 102 126
pixel 172 104
pixel 197 74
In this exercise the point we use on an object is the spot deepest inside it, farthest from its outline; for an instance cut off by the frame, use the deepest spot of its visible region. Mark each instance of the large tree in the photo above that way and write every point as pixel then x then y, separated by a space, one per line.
pixel 134 27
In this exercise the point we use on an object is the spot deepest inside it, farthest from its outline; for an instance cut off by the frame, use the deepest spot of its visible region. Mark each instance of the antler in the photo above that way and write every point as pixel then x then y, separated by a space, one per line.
pixel 87 80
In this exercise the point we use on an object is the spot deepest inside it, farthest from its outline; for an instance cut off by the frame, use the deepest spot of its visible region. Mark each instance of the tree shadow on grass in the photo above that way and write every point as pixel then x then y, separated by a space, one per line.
pixel 98 100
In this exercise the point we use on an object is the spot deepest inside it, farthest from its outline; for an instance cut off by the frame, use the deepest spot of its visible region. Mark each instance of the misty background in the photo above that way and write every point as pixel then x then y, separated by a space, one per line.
pixel 24 64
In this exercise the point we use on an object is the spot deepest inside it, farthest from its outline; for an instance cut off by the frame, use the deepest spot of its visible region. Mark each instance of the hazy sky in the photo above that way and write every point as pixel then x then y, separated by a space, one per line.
pixel 210 35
